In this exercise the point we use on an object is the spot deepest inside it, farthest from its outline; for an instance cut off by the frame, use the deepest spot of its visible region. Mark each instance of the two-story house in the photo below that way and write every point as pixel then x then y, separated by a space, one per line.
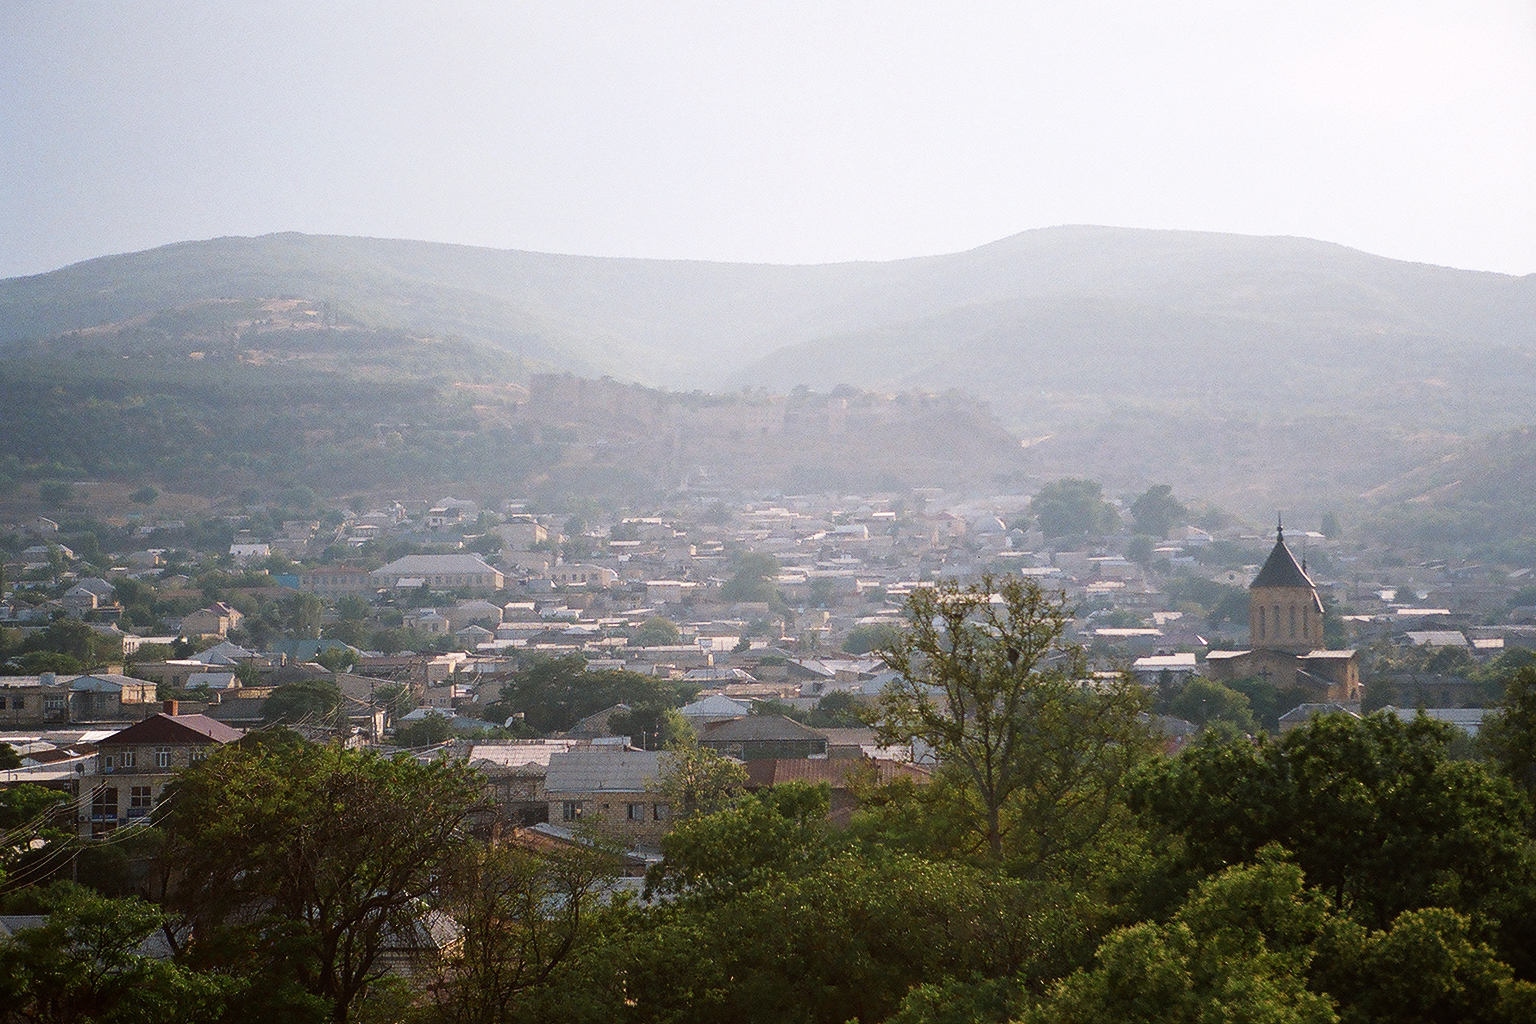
pixel 134 766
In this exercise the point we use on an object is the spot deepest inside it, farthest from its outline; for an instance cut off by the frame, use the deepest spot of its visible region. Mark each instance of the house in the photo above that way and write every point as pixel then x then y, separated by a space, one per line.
pixel 335 581
pixel 712 710
pixel 1301 714
pixel 27 701
pixel 88 595
pixel 1149 671
pixel 475 613
pixel 514 773
pixel 215 620
pixel 249 554
pixel 613 789
pixel 134 766
pixel 764 736
pixel 441 572
pixel 109 697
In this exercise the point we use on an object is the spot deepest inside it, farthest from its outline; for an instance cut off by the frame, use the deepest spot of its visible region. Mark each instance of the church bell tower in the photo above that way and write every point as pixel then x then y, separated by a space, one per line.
pixel 1284 611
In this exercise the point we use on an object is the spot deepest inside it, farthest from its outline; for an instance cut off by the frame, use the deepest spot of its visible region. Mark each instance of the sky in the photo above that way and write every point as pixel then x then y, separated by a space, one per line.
pixel 767 132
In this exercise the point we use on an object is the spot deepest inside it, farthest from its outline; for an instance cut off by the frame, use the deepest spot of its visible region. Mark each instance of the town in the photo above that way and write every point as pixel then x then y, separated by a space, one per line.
pixel 409 626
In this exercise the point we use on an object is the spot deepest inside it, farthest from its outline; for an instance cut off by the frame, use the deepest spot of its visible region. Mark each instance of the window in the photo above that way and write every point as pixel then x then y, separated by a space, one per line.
pixel 140 800
pixel 106 762
pixel 662 812
pixel 1261 622
pixel 199 754
pixel 162 757
pixel 570 810
pixel 634 812
pixel 126 759
pixel 1293 622
pixel 2 704
pixel 104 804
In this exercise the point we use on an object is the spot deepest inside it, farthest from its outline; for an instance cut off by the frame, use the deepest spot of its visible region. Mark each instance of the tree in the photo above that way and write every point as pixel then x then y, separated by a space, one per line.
pixel 698 780
pixel 1330 526
pixel 302 614
pixel 522 912
pixel 988 679
pixel 1375 811
pixel 1508 737
pixel 396 699
pixel 84 963
pixel 554 694
pixel 30 827
pixel 872 636
pixel 429 730
pixel 1238 950
pixel 310 701
pixel 300 862
pixel 56 492
pixel 336 659
pixel 1157 511
pixel 657 631
pixel 1069 507
pixel 1204 701
pixel 652 725
pixel 753 579
pixel 144 496
pixel 351 608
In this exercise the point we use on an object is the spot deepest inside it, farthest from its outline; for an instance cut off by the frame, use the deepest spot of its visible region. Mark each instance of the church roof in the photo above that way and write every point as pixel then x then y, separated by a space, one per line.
pixel 1281 569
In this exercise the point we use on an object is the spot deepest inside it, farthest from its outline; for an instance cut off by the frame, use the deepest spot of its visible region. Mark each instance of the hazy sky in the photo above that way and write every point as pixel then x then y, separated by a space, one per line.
pixel 779 132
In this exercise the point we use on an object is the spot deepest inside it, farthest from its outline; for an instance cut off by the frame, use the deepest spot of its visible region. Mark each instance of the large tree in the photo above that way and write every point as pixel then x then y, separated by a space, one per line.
pixel 524 912
pixel 1376 812
pixel 1157 511
pixel 989 680
pixel 306 861
pixel 1068 507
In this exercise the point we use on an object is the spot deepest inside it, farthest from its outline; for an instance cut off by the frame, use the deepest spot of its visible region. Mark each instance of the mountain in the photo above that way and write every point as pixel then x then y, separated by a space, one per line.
pixel 1476 495
pixel 1259 371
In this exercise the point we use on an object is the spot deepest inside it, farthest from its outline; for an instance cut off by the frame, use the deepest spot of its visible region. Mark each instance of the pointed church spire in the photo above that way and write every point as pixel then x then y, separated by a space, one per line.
pixel 1279 528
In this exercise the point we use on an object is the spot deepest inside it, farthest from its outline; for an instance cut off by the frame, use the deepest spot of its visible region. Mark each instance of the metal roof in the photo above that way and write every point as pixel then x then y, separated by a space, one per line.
pixel 603 770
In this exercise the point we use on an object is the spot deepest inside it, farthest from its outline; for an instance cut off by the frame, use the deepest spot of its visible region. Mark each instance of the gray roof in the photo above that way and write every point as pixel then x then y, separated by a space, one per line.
pixel 603 770
pixel 430 565
pixel 760 727
pixel 1281 568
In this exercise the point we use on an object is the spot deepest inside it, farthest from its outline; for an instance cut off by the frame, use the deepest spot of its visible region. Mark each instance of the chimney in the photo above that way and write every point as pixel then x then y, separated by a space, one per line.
pixel 170 708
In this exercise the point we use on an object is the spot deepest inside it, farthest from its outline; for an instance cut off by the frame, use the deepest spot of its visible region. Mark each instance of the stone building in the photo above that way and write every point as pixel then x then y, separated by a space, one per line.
pixel 1285 636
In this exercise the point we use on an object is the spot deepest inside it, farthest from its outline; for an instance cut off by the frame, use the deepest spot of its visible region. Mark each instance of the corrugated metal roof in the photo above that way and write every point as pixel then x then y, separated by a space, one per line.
pixel 760 727
pixel 603 770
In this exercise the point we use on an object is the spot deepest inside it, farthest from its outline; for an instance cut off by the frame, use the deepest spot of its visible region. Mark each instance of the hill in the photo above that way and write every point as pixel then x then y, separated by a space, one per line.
pixel 1259 371
pixel 1476 496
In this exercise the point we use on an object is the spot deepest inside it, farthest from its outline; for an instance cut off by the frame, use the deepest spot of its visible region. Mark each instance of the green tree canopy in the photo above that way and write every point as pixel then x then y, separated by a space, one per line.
pixel 1069 507
pixel 554 694
pixel 1157 511
pixel 872 637
pixel 302 862
pixel 310 701
pixel 657 631
pixel 988 678
pixel 1375 811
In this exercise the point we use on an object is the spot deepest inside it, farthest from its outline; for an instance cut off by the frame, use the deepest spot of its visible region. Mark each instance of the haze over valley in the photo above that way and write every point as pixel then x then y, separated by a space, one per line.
pixel 1256 372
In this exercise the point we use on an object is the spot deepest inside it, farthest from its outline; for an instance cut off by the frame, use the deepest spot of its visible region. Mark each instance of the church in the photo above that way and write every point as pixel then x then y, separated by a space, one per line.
pixel 1285 636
